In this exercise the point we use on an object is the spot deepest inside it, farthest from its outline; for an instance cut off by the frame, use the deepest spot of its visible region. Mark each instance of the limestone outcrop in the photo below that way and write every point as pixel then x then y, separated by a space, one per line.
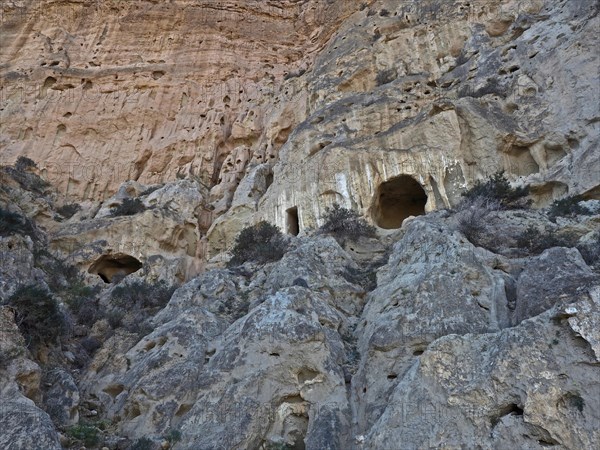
pixel 444 343
pixel 157 131
pixel 103 92
pixel 444 95
pixel 297 354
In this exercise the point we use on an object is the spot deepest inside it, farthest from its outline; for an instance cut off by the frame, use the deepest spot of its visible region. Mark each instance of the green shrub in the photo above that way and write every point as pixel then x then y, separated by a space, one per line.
pixel 27 180
pixel 115 318
pixel 261 243
pixel 142 294
pixel 38 315
pixel 345 224
pixel 86 434
pixel 90 344
pixel 150 189
pixel 278 446
pixel 142 444
pixel 77 295
pixel 568 207
pixel 535 241
pixel 14 223
pixel 129 207
pixel 23 163
pixel 173 436
pixel 498 188
pixel 472 219
pixel 68 211
pixel 60 274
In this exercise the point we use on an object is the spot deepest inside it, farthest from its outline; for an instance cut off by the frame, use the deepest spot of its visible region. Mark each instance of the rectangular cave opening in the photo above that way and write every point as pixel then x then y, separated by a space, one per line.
pixel 292 222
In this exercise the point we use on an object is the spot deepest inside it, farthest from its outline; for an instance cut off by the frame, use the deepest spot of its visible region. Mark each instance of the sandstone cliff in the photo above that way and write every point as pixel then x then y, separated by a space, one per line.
pixel 157 131
pixel 326 100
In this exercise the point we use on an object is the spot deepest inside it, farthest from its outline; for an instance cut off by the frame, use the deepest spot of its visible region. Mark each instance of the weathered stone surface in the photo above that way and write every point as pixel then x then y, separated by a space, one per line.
pixel 102 93
pixel 435 284
pixel 16 264
pixel 445 101
pixel 22 423
pixel 534 385
pixel 558 275
pixel 216 115
pixel 61 400
pixel 167 229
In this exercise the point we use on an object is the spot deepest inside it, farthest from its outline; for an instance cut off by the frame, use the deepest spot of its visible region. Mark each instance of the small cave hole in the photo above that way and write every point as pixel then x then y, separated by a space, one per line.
pixel 149 346
pixel 397 199
pixel 268 179
pixel 292 221
pixel 113 268
pixel 392 376
pixel 182 410
pixel 114 389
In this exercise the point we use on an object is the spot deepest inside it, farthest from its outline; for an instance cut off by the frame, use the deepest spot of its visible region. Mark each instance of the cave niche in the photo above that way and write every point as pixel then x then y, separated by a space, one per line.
pixel 397 199
pixel 114 267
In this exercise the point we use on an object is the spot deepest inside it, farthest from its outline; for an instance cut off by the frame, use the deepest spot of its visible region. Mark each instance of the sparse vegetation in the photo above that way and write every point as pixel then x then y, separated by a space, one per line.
pixel 77 295
pixel 14 223
pixel 60 274
pixel 499 189
pixel 69 210
pixel 134 303
pixel 129 207
pixel 577 401
pixel 115 318
pixel 90 344
pixel 86 434
pixel 472 217
pixel 278 446
pixel 173 436
pixel 38 315
pixel 345 224
pixel 28 180
pixel 568 207
pixel 142 444
pixel 141 294
pixel 535 241
pixel 261 243
pixel 23 163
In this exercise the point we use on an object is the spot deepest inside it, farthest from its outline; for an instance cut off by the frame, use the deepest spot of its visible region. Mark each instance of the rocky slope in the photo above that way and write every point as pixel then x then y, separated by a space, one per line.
pixel 453 345
pixel 327 101
pixel 162 129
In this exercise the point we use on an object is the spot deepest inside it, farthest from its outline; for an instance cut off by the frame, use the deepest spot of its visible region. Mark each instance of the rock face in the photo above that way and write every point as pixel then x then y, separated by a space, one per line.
pixel 443 95
pixel 165 227
pixel 100 93
pixel 440 354
pixel 445 345
pixel 22 423
pixel 165 128
pixel 329 101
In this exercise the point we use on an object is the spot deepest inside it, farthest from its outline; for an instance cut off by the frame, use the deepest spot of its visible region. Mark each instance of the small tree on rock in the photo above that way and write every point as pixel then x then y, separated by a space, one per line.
pixel 345 224
pixel 261 243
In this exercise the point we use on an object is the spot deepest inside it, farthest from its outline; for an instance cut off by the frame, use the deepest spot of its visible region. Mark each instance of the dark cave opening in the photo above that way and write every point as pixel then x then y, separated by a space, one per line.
pixel 292 221
pixel 397 199
pixel 112 268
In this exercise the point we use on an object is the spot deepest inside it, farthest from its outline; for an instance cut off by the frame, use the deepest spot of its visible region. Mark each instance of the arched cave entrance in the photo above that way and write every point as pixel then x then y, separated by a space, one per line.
pixel 397 199
pixel 114 267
